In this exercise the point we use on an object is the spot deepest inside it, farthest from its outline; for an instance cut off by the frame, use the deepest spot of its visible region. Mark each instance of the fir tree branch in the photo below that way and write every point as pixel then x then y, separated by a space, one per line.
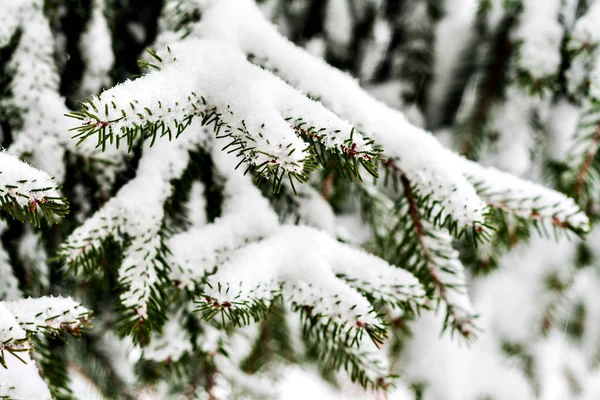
pixel 364 364
pixel 405 238
pixel 259 144
pixel 331 308
pixel 246 216
pixel 443 183
pixel 21 319
pixel 50 315
pixel 432 209
pixel 458 316
pixel 39 134
pixel 135 219
pixel 527 202
pixel 29 194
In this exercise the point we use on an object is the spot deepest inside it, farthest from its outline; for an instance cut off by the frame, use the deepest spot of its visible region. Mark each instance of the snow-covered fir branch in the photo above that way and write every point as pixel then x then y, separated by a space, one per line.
pixel 28 193
pixel 267 129
pixel 331 236
pixel 19 321
pixel 135 218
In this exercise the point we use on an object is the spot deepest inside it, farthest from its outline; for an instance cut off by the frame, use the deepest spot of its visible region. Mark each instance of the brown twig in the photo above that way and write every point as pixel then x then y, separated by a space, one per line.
pixel 327 186
pixel 587 162
pixel 462 324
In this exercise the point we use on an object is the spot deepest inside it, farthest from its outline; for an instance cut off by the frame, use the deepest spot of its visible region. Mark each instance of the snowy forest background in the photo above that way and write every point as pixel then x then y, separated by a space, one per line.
pixel 197 203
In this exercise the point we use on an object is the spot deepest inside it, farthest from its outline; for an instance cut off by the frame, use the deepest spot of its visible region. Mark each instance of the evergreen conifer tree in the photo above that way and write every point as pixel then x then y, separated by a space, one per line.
pixel 221 199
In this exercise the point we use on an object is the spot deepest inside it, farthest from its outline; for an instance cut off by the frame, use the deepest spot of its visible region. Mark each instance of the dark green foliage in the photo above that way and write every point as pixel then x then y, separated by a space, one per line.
pixel 12 347
pixel 51 359
pixel 398 245
pixel 137 327
pixel 88 357
pixel 333 357
pixel 49 209
pixel 273 343
pixel 471 134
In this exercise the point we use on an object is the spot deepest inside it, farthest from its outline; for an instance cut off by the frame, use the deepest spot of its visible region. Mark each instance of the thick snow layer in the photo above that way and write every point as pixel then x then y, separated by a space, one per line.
pixel 245 216
pixel 540 35
pixel 261 110
pixel 321 278
pixel 22 381
pixel 416 152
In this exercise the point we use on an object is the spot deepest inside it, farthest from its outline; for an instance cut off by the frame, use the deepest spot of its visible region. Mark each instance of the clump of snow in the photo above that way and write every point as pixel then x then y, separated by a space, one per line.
pixel 174 342
pixel 24 183
pixel 338 24
pixel 586 29
pixel 455 372
pixel 521 285
pixel 511 152
pixel 325 278
pixel 36 314
pixel 96 51
pixel 540 34
pixel 20 380
pixel 245 216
